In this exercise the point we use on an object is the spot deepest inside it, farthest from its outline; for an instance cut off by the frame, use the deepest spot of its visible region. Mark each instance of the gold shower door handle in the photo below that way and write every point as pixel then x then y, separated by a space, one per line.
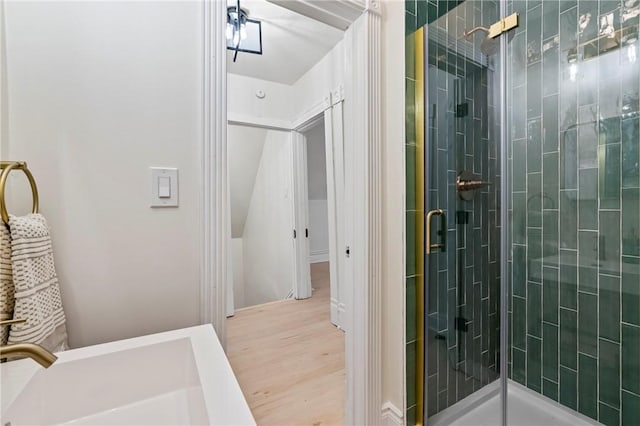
pixel 437 246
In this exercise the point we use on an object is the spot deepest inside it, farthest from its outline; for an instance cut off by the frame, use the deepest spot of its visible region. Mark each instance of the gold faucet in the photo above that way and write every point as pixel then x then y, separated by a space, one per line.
pixel 33 351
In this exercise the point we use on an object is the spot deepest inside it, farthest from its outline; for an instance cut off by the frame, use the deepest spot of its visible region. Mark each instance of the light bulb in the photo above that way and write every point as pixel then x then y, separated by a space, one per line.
pixel 631 53
pixel 573 72
pixel 243 31
pixel 236 38
pixel 229 31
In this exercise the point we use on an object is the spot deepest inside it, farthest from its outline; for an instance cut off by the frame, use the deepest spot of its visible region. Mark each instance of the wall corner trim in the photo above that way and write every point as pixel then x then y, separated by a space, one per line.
pixel 363 348
pixel 391 415
pixel 214 221
pixel 373 6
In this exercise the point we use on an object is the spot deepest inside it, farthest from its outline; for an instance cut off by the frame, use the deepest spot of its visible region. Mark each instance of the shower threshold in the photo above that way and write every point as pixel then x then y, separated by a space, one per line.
pixel 526 408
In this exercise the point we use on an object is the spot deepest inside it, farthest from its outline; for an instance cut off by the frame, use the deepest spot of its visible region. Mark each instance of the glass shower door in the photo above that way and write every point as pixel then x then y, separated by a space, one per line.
pixel 461 208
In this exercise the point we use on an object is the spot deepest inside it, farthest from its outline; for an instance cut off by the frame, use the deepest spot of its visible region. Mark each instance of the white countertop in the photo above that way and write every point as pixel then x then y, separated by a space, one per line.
pixel 181 376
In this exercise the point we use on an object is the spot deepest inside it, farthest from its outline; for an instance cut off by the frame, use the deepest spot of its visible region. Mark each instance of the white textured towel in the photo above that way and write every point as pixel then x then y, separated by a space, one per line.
pixel 37 294
pixel 6 282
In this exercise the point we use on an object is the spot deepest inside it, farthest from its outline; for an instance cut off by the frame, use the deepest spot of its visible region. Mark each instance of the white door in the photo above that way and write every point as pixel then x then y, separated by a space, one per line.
pixel 302 288
pixel 334 136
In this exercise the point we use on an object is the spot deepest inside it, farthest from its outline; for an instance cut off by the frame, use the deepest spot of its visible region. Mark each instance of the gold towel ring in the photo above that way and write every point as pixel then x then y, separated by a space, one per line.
pixel 6 167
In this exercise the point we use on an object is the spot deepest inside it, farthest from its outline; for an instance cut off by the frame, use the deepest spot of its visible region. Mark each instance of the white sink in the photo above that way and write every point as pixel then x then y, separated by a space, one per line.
pixel 180 377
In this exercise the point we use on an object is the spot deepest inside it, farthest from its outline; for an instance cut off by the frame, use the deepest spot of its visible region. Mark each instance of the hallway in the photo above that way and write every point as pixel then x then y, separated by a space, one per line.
pixel 289 358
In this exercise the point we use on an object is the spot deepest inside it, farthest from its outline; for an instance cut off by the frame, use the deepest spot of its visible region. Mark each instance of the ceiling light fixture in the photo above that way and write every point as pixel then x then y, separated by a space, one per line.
pixel 243 34
pixel 236 25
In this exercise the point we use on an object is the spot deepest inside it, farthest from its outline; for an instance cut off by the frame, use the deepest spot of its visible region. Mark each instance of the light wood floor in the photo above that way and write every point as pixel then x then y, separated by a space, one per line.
pixel 289 358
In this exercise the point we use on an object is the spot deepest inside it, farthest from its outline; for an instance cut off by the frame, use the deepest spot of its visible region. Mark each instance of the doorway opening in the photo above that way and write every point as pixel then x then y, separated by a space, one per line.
pixel 318 212
pixel 262 254
pixel 317 199
pixel 286 179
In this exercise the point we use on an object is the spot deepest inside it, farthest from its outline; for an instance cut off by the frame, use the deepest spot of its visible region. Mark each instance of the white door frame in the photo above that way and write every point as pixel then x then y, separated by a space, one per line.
pixel 302 287
pixel 332 117
pixel 363 348
pixel 337 206
pixel 215 217
pixel 363 145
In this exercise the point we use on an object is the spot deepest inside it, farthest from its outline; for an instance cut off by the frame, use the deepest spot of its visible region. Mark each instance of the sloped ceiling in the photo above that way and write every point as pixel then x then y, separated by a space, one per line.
pixel 245 146
pixel 291 44
pixel 337 13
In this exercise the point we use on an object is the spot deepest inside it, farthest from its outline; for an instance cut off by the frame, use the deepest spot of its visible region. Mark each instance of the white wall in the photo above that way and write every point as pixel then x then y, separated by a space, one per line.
pixel 316 162
pixel 4 109
pixel 318 231
pixel 283 103
pixel 319 81
pixel 97 92
pixel 393 201
pixel 238 273
pixel 244 151
pixel 268 232
pixel 243 105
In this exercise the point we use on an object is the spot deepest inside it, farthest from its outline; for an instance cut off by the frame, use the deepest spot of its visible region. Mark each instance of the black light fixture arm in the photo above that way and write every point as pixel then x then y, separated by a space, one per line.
pixel 235 55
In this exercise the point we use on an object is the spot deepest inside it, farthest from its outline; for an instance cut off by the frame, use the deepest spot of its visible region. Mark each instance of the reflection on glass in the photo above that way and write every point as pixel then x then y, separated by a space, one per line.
pixel 462 352
pixel 580 257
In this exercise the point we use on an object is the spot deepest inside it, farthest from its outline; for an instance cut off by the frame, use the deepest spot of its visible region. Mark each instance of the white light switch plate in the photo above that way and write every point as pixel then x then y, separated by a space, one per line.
pixel 159 192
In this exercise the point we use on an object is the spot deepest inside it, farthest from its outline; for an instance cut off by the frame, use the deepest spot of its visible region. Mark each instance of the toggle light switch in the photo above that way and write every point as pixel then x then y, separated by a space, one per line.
pixel 164 187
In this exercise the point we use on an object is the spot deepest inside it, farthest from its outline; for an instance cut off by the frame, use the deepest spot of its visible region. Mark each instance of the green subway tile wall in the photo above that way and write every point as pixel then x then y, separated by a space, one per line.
pixel 421 12
pixel 574 205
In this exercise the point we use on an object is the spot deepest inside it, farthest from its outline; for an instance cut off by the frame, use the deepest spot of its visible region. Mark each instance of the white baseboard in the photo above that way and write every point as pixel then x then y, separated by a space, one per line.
pixel 391 415
pixel 319 256
pixel 342 316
